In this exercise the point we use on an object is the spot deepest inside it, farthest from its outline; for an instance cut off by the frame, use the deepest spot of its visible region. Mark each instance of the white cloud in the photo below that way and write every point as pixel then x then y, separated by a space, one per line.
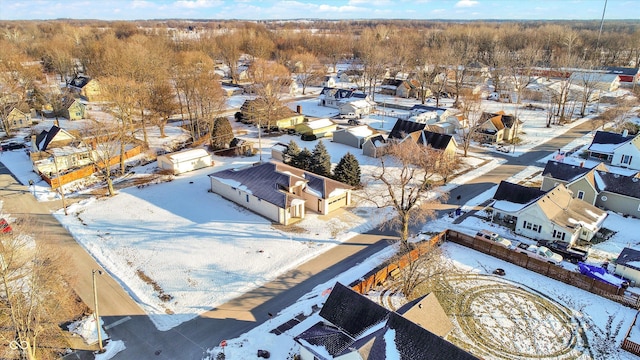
pixel 194 4
pixel 466 3
pixel 141 4
pixel 438 11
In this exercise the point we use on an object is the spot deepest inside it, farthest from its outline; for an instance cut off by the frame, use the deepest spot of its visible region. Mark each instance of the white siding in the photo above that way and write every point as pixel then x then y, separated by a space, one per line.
pixel 264 208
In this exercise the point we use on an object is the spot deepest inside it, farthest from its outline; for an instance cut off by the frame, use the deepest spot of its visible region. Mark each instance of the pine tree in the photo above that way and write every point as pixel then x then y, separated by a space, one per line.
pixel 221 134
pixel 348 170
pixel 292 152
pixel 303 160
pixel 321 160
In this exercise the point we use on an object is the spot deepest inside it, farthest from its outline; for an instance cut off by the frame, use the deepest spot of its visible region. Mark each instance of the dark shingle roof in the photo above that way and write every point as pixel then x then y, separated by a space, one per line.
pixel 425 108
pixel 352 312
pixel 403 128
pixel 44 138
pixel 621 70
pixel 262 180
pixel 516 193
pixel 563 171
pixel 627 256
pixel 619 184
pixel 435 140
pixel 606 137
pixel 327 336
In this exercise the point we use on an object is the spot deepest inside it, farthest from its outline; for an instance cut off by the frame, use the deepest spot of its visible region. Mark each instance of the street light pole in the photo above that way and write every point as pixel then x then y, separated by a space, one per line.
pixel 95 304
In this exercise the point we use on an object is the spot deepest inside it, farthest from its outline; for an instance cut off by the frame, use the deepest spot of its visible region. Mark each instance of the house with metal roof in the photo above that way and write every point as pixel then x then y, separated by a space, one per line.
pixel 553 214
pixel 280 192
pixel 354 327
pixel 616 149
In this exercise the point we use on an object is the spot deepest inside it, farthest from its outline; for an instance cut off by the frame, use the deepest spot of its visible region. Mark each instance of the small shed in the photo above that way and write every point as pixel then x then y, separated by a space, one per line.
pixel 185 161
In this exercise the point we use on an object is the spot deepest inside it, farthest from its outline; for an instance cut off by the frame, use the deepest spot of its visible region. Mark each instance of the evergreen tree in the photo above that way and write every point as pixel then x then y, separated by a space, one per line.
pixel 221 134
pixel 320 160
pixel 292 152
pixel 348 170
pixel 303 160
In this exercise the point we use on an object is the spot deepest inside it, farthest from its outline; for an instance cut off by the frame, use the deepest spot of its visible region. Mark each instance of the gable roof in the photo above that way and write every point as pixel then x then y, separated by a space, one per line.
pixel 517 193
pixel 402 128
pixel 263 181
pixel 617 184
pixel 427 312
pixel 435 140
pixel 500 120
pixel 564 210
pixel 630 258
pixel 389 332
pixel 563 171
pixel 606 142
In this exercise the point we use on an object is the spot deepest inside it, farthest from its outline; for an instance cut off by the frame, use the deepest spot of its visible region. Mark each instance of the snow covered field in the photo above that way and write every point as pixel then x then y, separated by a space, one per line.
pixel 203 251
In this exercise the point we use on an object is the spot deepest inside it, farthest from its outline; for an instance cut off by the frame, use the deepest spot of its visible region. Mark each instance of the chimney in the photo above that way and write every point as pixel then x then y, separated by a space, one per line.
pixel 581 163
pixel 625 133
pixel 34 146
pixel 299 109
pixel 56 122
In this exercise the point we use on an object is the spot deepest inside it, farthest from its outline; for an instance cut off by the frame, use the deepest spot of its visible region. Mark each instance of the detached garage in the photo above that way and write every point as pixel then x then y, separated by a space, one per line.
pixel 185 161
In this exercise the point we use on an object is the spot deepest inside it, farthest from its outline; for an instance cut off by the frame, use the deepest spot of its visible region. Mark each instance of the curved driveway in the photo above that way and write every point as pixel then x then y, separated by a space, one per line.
pixel 126 321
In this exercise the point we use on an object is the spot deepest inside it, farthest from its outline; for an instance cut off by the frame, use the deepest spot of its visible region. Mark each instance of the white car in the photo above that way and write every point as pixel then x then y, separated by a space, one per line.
pixel 493 237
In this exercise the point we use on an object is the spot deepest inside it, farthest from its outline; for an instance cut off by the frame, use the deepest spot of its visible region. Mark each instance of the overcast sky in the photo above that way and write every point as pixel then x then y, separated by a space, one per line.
pixel 322 9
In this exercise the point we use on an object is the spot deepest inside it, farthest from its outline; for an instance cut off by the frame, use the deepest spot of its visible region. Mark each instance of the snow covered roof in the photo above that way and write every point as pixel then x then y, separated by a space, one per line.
pixel 320 123
pixel 186 155
pixel 630 258
pixel 606 142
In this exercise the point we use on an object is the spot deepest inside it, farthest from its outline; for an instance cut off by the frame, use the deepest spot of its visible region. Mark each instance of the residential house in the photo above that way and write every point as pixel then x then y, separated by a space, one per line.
pixel 442 142
pixel 334 97
pixel 58 150
pixel 597 186
pixel 354 327
pixel 230 90
pixel 399 87
pixel 16 117
pixel 498 127
pixel 360 107
pixel 280 192
pixel 354 136
pixel 73 109
pixel 86 87
pixel 554 214
pixel 278 151
pixel 184 161
pixel 256 110
pixel 616 149
pixel 319 128
pixel 402 128
pixel 628 265
pixel 328 81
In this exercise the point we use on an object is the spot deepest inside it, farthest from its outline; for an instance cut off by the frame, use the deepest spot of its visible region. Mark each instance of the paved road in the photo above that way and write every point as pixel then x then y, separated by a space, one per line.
pixel 192 338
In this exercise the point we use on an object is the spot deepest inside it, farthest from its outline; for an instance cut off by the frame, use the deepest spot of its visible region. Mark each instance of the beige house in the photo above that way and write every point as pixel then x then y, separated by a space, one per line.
pixel 87 87
pixel 498 127
pixel 73 109
pixel 16 118
pixel 184 161
pixel 554 214
pixel 280 192
pixel 596 186
pixel 319 128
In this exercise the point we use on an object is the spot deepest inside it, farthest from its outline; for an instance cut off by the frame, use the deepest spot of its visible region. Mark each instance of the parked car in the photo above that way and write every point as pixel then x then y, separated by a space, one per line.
pixel 12 146
pixel 493 237
pixel 571 254
pixel 349 116
pixel 539 252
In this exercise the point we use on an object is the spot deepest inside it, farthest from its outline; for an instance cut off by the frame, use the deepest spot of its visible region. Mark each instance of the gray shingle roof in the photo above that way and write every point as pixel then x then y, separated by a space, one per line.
pixel 606 137
pixel 620 184
pixel 517 193
pixel 627 256
pixel 563 171
pixel 403 128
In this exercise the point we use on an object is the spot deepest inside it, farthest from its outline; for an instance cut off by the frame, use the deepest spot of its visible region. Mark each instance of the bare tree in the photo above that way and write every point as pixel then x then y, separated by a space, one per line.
pixel 35 297
pixel 308 69
pixel 229 50
pixel 471 111
pixel 409 174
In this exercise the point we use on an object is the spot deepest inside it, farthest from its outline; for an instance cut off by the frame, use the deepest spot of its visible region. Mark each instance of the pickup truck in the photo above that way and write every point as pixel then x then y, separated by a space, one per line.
pixel 572 255
pixel 539 252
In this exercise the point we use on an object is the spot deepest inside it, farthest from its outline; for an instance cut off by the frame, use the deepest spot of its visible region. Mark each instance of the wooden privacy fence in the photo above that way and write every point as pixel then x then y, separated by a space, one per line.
pixel 381 273
pixel 555 272
pixel 85 171
pixel 629 345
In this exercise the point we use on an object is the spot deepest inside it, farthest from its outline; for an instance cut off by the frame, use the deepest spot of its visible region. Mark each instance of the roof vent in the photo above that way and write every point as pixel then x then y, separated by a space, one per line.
pixel 635 179
pixel 616 175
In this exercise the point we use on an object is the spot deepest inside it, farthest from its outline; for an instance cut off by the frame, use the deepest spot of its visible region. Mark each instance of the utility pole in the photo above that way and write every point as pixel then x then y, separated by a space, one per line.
pixel 95 304
pixel 60 189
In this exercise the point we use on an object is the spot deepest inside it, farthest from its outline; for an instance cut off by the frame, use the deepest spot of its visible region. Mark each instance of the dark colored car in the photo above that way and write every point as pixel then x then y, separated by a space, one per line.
pixel 12 146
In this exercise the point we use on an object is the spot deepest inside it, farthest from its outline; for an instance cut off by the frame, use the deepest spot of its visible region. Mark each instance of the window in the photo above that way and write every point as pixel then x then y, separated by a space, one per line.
pixel 558 234
pixel 603 198
pixel 247 197
pixel 626 159
pixel 580 194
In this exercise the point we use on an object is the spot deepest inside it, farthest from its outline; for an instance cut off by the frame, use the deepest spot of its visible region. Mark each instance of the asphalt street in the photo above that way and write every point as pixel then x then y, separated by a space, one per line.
pixel 126 321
